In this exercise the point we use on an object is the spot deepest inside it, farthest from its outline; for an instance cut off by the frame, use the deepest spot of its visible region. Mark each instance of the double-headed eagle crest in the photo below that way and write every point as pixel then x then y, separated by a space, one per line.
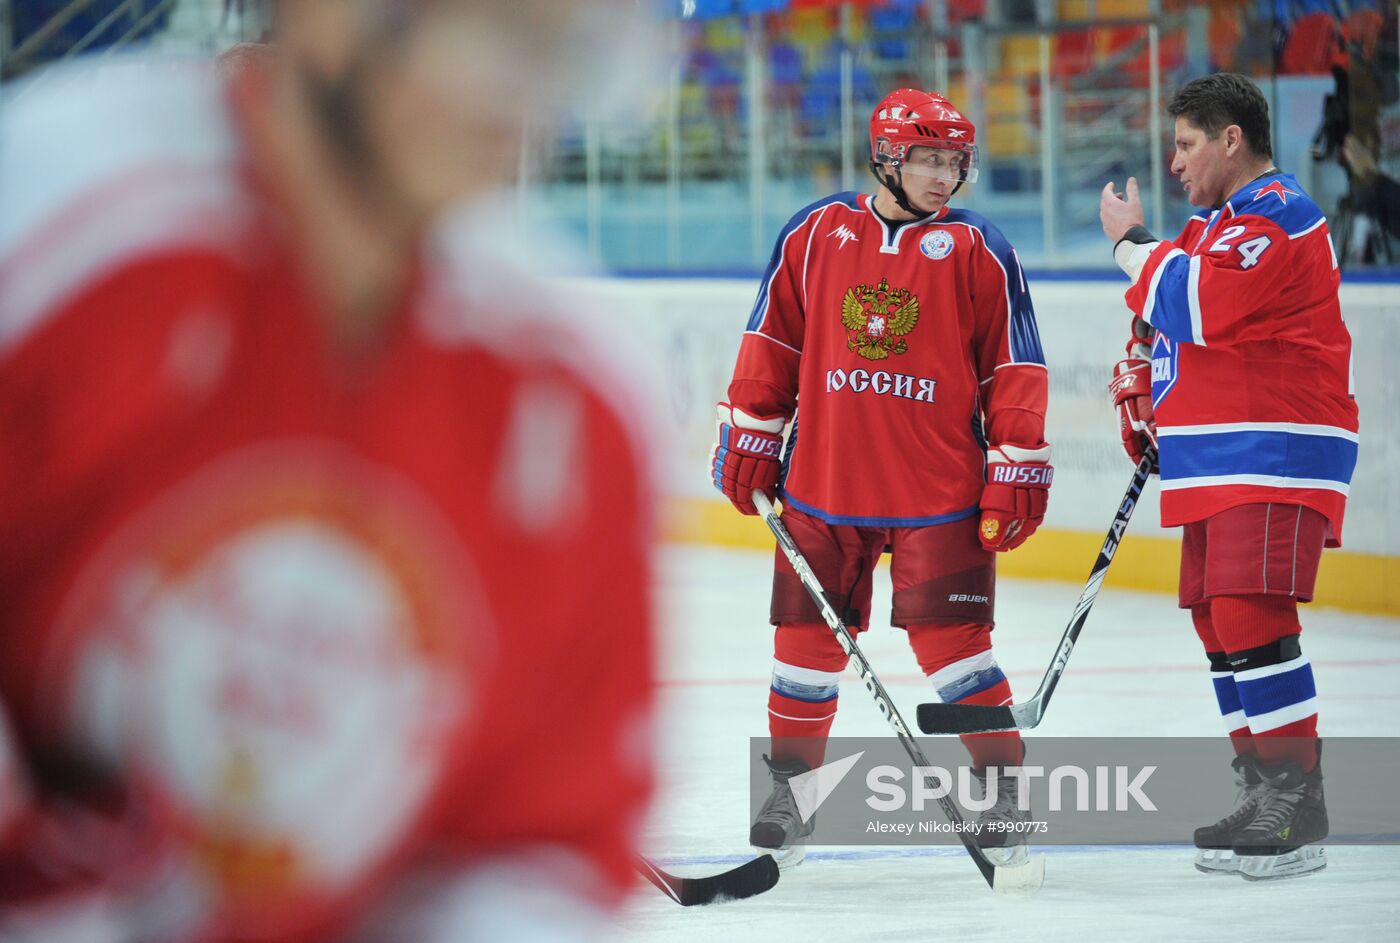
pixel 876 319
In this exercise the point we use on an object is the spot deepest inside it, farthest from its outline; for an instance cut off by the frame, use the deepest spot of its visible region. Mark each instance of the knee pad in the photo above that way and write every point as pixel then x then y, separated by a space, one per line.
pixel 808 646
pixel 1262 656
pixel 807 663
pixel 959 663
pixel 937 645
pixel 1243 623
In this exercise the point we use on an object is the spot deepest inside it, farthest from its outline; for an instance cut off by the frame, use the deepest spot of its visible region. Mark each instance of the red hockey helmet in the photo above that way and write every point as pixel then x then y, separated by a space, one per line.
pixel 907 120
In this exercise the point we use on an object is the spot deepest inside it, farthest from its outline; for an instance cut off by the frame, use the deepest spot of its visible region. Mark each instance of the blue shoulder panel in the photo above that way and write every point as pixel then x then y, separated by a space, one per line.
pixel 760 305
pixel 1024 336
pixel 1278 198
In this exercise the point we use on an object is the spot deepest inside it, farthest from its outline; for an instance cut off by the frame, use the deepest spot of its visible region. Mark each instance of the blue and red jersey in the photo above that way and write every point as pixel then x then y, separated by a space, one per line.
pixel 1251 363
pixel 906 346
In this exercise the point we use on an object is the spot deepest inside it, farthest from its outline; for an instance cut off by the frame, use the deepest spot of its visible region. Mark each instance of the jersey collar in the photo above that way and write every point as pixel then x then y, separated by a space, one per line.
pixel 891 235
pixel 1245 194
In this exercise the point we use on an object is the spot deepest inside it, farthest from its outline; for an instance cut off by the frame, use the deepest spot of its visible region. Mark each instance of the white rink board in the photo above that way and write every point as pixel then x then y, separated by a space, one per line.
pixel 691 329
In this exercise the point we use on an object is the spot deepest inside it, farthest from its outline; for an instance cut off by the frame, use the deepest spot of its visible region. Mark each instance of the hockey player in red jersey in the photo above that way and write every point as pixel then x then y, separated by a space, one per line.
pixel 894 341
pixel 1239 373
pixel 326 543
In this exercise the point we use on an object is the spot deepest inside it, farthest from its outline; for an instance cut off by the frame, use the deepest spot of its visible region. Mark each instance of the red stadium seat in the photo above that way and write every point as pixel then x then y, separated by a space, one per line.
pixel 1312 45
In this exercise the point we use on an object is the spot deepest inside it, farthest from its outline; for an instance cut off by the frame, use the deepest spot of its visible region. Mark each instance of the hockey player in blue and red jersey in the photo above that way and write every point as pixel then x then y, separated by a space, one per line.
pixel 1239 372
pixel 905 330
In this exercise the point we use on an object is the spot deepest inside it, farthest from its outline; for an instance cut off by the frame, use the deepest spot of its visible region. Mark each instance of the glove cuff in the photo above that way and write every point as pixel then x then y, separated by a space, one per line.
pixel 736 417
pixel 1019 453
pixel 1129 380
pixel 1131 252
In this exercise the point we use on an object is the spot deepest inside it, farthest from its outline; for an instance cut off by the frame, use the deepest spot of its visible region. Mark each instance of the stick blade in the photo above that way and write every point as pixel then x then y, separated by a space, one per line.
pixel 747 880
pixel 965 718
pixel 1021 880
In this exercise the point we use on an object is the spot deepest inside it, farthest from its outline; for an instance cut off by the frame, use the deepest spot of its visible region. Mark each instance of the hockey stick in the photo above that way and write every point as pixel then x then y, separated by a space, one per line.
pixel 975 718
pixel 1021 879
pixel 748 880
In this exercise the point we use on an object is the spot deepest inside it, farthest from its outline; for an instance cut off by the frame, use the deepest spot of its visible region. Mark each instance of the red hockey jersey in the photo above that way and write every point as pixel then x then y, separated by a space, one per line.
pixel 902 349
pixel 338 618
pixel 1251 363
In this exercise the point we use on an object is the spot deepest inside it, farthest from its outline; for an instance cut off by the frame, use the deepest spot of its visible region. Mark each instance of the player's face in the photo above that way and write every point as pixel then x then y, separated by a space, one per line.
pixel 443 88
pixel 930 174
pixel 445 110
pixel 1202 165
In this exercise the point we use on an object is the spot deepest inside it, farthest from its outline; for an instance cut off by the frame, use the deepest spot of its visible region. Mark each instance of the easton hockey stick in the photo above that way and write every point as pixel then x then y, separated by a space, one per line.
pixel 976 718
pixel 748 880
pixel 1020 879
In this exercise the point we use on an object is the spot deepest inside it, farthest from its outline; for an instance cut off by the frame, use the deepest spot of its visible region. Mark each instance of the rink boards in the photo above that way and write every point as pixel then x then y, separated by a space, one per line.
pixel 683 335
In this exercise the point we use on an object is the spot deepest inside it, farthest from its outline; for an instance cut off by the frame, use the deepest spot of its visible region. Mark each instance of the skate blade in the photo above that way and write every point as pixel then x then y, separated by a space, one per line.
pixel 1294 864
pixel 1008 856
pixel 785 858
pixel 1020 880
pixel 1217 861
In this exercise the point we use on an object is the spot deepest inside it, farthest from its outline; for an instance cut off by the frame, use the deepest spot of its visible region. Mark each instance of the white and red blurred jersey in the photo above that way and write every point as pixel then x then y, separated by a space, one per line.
pixel 353 623
pixel 901 348
pixel 1251 363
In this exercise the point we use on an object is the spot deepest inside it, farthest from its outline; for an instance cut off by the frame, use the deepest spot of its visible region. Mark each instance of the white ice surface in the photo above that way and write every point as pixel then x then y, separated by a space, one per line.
pixel 1137 670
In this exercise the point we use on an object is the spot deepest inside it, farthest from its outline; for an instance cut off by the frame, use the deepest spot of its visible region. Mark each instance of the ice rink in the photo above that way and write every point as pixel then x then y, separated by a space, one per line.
pixel 1137 670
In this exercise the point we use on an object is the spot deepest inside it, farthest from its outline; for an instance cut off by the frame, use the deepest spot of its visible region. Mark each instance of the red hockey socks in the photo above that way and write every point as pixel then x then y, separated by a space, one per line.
pixel 1273 679
pixel 1222 679
pixel 958 661
pixel 807 666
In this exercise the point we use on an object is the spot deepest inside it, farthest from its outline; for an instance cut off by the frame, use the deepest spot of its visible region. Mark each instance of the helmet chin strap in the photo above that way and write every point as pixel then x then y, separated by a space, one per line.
pixel 894 183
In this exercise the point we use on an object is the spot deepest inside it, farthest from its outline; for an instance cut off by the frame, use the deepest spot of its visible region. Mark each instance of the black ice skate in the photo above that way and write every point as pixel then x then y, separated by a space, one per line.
pixel 1278 843
pixel 1216 842
pixel 1002 832
pixel 779 827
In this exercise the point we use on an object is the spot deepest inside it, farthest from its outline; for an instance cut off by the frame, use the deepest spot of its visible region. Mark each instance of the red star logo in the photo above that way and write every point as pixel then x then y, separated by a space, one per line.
pixel 1277 189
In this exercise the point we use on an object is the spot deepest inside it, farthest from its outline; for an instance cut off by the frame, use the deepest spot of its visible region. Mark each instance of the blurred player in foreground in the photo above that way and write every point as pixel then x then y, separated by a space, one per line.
pixel 1239 372
pixel 905 330
pixel 326 556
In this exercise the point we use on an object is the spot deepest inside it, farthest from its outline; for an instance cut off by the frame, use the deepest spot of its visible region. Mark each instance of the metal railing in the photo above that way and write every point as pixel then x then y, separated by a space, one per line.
pixel 37 47
pixel 1088 124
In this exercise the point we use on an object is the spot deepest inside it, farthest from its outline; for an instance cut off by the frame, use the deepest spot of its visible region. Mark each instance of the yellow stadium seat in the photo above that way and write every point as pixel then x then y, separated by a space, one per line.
pixel 1006 98
pixel 1020 55
pixel 1008 109
pixel 1122 9
pixel 956 92
pixel 724 33
pixel 1009 138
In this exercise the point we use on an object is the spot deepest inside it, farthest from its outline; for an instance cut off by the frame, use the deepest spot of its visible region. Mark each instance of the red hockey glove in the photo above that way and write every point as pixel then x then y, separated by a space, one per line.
pixel 1131 388
pixel 746 456
pixel 1014 497
pixel 91 854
